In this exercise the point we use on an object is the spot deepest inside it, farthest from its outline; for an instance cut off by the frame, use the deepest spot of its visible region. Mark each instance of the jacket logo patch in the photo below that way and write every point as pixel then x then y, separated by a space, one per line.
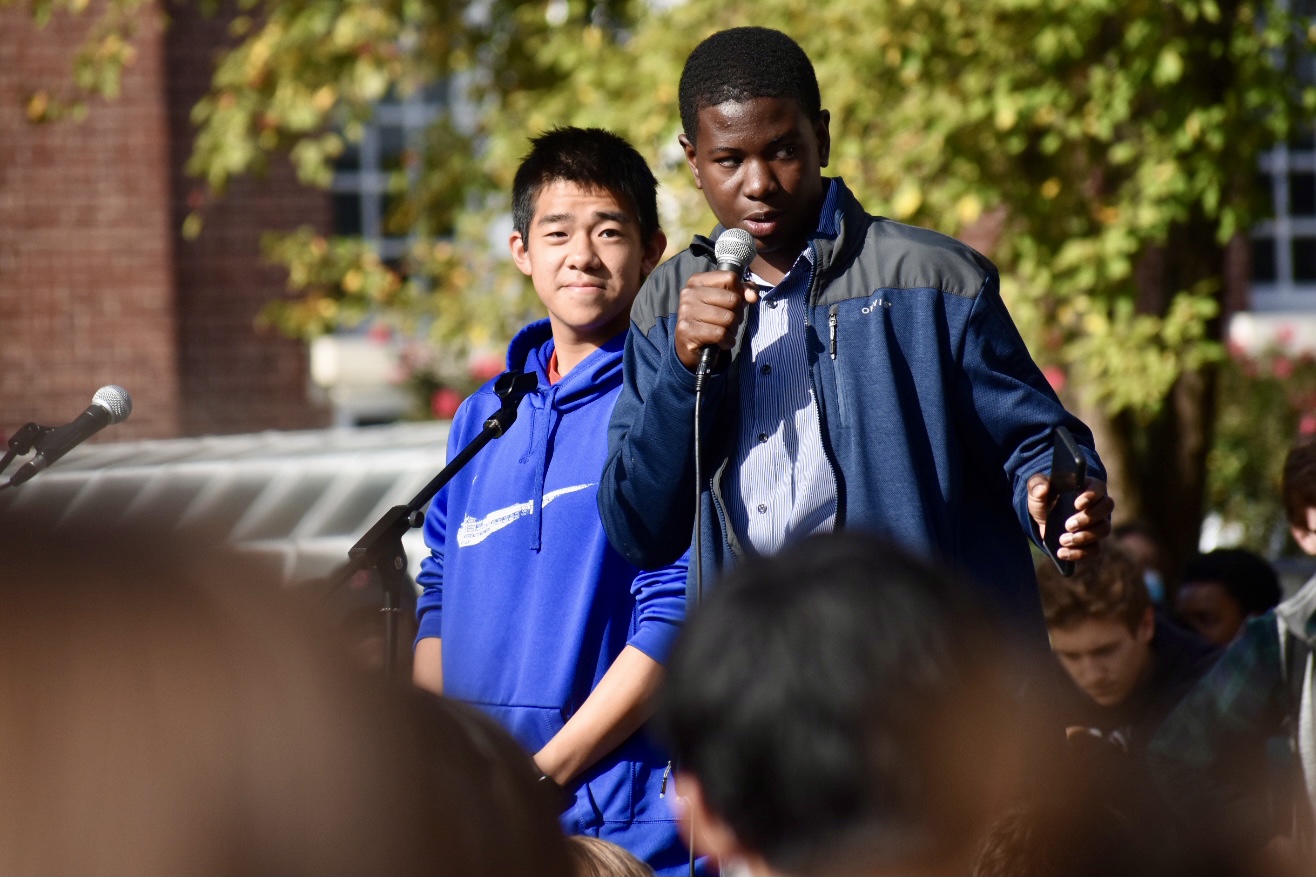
pixel 474 531
pixel 877 302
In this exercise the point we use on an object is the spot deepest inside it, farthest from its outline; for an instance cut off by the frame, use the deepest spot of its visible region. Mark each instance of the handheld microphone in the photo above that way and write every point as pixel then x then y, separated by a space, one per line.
pixel 111 404
pixel 734 250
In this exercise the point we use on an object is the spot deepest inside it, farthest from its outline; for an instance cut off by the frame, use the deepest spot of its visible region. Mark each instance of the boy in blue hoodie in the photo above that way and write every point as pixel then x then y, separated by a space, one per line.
pixel 527 611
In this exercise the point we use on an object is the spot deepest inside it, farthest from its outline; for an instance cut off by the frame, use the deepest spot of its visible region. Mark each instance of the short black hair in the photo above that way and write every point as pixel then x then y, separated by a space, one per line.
pixel 589 157
pixel 741 64
pixel 824 693
pixel 1248 578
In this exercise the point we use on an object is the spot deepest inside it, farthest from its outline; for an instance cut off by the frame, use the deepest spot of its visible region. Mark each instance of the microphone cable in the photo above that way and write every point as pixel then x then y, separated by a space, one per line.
pixel 734 250
pixel 701 373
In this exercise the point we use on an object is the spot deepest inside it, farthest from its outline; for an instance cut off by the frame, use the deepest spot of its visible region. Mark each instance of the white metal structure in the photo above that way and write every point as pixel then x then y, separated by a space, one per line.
pixel 301 499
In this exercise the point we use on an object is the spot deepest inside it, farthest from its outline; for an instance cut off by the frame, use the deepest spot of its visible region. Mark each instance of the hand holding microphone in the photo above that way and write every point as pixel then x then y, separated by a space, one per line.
pixel 111 404
pixel 713 303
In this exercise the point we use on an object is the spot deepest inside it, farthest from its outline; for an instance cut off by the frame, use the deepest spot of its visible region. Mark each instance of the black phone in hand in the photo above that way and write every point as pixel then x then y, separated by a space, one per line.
pixel 1069 473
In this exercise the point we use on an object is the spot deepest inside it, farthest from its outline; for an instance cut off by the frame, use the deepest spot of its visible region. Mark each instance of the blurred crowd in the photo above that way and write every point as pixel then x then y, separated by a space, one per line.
pixel 841 707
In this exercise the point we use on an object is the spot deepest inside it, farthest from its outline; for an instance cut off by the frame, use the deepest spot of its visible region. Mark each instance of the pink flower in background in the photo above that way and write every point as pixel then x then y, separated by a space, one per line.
pixel 482 368
pixel 1055 376
pixel 380 333
pixel 1285 335
pixel 1307 425
pixel 444 403
pixel 1236 349
pixel 400 372
pixel 1282 367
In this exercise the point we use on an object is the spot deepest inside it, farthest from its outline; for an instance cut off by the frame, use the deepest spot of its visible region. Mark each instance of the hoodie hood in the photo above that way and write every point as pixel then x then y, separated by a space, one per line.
pixel 1298 613
pixel 527 342
pixel 532 349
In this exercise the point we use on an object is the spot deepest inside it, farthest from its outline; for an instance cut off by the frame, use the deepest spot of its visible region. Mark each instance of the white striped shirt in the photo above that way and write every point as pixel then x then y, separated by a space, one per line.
pixel 781 475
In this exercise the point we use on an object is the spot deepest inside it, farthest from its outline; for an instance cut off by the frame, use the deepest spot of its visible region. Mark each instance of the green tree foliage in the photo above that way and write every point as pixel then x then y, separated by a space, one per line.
pixel 304 77
pixel 1105 149
pixel 1267 400
pixel 97 65
pixel 1120 142
pixel 1110 146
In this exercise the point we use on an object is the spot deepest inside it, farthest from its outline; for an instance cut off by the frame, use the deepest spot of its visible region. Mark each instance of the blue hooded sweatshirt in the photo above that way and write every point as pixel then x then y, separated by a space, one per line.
pixel 532 603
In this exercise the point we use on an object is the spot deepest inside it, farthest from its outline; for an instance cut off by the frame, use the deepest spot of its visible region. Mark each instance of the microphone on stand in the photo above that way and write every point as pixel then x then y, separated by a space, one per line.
pixel 111 404
pixel 734 250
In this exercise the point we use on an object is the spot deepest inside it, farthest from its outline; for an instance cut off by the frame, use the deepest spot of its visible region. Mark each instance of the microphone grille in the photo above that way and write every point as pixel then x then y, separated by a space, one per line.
pixel 735 245
pixel 115 400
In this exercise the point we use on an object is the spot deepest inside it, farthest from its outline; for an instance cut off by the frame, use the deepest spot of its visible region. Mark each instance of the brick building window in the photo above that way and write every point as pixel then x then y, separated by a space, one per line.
pixel 1284 247
pixel 363 175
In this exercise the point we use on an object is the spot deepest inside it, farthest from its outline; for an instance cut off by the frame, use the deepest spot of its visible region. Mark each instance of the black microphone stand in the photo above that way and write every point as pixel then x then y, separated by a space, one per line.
pixel 20 443
pixel 380 549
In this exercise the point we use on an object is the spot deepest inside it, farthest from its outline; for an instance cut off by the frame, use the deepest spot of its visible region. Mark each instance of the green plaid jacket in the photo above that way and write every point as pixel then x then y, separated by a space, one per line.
pixel 1210 757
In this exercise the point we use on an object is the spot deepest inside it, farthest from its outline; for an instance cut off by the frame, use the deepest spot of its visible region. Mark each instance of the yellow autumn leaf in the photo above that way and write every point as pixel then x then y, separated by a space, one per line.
pixel 324 98
pixel 37 105
pixel 968 209
pixel 907 201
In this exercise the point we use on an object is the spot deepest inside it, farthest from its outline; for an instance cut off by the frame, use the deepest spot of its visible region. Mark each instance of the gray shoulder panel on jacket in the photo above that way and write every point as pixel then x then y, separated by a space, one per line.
pixel 898 256
pixel 661 292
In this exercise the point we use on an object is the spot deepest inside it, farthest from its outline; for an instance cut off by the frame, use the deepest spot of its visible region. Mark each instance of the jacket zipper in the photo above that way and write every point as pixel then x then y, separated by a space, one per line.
pixel 723 518
pixel 814 282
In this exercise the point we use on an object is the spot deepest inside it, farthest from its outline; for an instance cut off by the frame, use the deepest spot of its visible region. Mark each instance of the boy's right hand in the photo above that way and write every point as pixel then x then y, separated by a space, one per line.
pixel 709 314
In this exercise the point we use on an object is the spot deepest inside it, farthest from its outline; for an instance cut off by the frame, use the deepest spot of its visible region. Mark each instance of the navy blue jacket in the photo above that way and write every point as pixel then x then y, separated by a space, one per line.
pixel 934 415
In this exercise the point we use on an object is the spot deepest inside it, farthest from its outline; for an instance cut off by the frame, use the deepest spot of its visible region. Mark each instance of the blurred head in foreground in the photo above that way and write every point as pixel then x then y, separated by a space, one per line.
pixel 1064 835
pixel 840 707
pixel 166 710
pixel 596 857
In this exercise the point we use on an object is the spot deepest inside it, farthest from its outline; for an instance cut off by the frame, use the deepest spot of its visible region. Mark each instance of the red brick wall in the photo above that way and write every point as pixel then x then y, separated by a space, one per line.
pixel 234 378
pixel 86 262
pixel 97 285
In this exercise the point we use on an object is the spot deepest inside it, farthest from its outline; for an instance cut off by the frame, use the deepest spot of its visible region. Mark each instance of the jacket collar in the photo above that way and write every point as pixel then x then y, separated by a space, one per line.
pixel 532 348
pixel 1299 612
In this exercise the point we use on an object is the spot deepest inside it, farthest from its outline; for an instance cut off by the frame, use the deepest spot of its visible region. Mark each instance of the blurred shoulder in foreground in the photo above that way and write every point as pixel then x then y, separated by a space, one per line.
pixel 166 708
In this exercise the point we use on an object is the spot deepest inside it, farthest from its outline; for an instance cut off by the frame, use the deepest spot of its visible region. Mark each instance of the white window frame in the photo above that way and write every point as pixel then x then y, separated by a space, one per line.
pixel 369 182
pixel 1285 293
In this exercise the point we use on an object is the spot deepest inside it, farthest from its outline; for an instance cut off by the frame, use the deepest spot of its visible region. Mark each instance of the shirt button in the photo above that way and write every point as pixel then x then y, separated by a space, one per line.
pixel 763 508
pixel 763 437
pixel 772 302
pixel 765 369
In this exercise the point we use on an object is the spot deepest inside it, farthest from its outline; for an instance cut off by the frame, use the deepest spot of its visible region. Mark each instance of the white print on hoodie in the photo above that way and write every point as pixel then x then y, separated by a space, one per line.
pixel 473 532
